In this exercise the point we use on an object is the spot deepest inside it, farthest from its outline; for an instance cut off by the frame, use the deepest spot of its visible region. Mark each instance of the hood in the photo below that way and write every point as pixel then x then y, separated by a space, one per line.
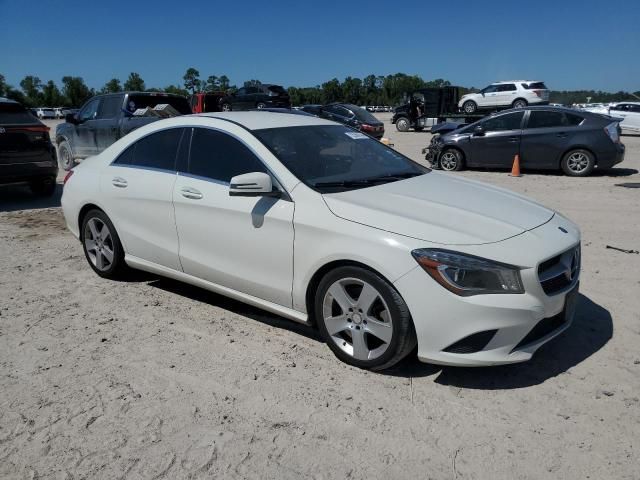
pixel 440 208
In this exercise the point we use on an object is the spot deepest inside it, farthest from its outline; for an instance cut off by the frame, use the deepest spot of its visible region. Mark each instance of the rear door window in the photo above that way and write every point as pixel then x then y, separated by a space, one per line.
pixel 509 121
pixel 219 156
pixel 157 151
pixel 507 87
pixel 549 119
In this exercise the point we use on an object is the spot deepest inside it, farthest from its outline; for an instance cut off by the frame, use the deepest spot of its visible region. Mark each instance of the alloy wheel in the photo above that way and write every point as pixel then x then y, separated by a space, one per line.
pixel 99 244
pixel 448 161
pixel 357 318
pixel 577 162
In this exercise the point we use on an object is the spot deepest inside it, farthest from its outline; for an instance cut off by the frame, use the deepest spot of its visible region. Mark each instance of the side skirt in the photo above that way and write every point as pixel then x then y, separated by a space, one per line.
pixel 140 264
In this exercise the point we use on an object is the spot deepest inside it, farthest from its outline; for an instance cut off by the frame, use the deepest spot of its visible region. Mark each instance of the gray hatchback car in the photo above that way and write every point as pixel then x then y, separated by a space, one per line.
pixel 546 137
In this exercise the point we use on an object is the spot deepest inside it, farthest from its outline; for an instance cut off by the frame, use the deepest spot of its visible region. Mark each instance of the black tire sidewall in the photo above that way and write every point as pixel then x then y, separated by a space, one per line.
pixel 402 121
pixel 401 319
pixel 118 266
pixel 584 173
pixel 519 100
pixel 65 146
pixel 469 102
pixel 459 160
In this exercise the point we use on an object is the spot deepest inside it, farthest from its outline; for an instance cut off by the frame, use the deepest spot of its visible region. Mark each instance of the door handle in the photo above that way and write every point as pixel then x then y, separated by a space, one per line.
pixel 191 193
pixel 119 182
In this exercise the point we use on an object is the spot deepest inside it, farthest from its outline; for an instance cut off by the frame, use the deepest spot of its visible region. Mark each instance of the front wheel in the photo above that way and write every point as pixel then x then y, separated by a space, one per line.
pixel 102 246
pixel 451 160
pixel 402 124
pixel 578 163
pixel 363 319
pixel 226 107
pixel 260 105
pixel 469 106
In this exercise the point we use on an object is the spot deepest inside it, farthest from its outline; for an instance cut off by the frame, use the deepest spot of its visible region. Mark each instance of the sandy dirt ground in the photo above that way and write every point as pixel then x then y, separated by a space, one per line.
pixel 150 379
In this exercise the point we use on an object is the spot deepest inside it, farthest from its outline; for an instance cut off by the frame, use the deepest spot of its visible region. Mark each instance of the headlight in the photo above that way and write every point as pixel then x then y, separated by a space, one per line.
pixel 467 275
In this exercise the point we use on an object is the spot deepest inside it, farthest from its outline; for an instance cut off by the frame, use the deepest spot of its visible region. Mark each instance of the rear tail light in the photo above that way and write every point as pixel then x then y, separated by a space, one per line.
pixel 613 132
pixel 366 128
pixel 67 177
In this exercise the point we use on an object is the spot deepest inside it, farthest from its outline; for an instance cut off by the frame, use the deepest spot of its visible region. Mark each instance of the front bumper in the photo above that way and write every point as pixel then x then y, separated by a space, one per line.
pixel 491 329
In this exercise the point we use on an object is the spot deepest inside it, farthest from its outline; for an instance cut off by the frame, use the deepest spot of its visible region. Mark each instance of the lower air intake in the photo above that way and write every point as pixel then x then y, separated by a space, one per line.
pixel 473 343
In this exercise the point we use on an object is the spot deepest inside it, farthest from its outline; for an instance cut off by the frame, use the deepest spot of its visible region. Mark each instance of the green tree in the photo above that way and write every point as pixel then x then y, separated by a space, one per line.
pixel 252 83
pixel 192 80
pixel 332 91
pixel 224 83
pixel 176 90
pixel 51 95
pixel 212 84
pixel 134 83
pixel 112 86
pixel 4 87
pixel 75 90
pixel 32 88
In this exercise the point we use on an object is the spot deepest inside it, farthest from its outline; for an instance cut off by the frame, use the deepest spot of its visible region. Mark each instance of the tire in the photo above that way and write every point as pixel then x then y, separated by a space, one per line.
pixel 519 103
pixel 97 252
pixel 469 106
pixel 578 163
pixel 402 124
pixel 65 156
pixel 226 107
pixel 451 160
pixel 260 105
pixel 43 187
pixel 377 333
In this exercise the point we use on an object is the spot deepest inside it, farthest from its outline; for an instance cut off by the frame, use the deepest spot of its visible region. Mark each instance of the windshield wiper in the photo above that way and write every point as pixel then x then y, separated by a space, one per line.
pixel 368 181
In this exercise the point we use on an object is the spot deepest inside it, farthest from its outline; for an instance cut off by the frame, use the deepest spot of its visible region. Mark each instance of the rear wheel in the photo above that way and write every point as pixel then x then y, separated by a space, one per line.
pixel 363 319
pixel 102 246
pixel 578 163
pixel 226 107
pixel 260 105
pixel 44 187
pixel 469 106
pixel 451 160
pixel 402 124
pixel 520 103
pixel 65 154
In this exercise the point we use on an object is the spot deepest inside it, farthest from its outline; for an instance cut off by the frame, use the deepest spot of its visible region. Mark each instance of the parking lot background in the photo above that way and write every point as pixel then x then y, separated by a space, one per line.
pixel 154 379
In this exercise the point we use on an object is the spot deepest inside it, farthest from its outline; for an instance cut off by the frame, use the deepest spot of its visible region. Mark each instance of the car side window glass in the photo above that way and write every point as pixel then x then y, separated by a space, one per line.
pixel 490 89
pixel 157 150
pixel 90 111
pixel 634 108
pixel 510 121
pixel 548 119
pixel 110 107
pixel 507 87
pixel 219 156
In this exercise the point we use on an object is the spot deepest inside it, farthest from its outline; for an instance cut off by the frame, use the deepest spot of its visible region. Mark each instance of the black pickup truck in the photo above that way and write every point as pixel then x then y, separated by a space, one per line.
pixel 106 118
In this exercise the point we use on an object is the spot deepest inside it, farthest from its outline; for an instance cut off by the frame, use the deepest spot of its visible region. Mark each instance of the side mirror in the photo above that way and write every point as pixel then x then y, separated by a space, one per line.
pixel 254 184
pixel 479 131
pixel 70 118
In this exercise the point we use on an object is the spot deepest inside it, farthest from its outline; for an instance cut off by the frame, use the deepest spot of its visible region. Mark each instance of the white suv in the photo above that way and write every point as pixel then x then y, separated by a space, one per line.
pixel 629 112
pixel 512 93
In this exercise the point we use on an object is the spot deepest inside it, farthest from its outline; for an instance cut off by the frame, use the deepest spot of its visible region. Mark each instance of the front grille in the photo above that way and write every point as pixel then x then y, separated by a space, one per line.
pixel 473 343
pixel 561 272
pixel 543 328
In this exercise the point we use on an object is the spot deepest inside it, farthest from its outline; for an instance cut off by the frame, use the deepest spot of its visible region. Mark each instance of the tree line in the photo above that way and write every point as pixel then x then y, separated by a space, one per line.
pixel 370 90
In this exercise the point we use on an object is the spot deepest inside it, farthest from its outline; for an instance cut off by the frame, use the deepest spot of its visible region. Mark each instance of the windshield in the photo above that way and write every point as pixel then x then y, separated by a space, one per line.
pixel 362 115
pixel 335 158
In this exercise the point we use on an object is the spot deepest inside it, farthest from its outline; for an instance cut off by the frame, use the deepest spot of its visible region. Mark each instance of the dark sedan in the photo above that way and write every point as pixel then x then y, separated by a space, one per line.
pixel 26 152
pixel 544 138
pixel 350 115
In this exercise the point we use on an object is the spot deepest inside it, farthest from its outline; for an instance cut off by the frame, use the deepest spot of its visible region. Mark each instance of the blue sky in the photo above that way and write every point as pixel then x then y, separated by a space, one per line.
pixel 569 44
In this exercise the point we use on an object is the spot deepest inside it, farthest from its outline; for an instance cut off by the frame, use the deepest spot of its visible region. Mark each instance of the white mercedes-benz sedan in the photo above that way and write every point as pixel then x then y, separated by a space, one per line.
pixel 319 223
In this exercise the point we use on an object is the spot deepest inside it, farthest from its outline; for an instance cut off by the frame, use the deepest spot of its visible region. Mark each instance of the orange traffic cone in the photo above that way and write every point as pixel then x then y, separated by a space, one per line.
pixel 515 169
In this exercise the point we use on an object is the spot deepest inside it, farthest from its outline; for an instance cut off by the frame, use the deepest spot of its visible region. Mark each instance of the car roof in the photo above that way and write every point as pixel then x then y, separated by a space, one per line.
pixel 256 120
pixel 7 100
pixel 517 81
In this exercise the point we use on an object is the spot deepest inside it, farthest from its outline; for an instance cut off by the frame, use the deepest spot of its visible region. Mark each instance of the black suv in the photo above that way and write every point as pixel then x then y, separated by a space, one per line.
pixel 26 152
pixel 350 115
pixel 258 96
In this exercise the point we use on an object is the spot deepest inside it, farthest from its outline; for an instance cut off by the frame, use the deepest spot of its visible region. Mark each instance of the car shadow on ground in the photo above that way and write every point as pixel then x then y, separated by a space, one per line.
pixel 19 197
pixel 205 296
pixel 612 172
pixel 592 328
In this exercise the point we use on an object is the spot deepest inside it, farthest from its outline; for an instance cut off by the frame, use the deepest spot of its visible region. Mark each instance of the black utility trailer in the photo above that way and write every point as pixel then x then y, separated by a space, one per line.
pixel 429 106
